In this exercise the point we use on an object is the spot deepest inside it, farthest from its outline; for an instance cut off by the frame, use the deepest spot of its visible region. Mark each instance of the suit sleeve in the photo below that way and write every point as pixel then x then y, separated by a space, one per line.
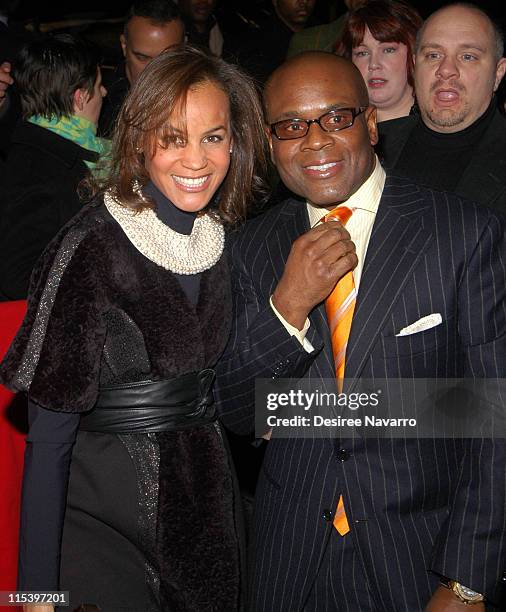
pixel 259 347
pixel 471 546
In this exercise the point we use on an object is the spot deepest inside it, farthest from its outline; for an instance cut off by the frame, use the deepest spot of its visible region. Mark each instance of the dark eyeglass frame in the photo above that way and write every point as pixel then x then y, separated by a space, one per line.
pixel 355 112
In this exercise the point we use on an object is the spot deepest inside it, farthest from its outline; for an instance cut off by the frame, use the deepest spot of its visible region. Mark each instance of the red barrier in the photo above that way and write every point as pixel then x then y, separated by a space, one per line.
pixel 12 446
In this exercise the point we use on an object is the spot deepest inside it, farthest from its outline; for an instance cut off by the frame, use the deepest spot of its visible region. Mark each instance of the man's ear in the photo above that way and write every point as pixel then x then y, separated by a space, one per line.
pixel 268 133
pixel 372 125
pixel 81 97
pixel 123 42
pixel 499 72
pixel 78 100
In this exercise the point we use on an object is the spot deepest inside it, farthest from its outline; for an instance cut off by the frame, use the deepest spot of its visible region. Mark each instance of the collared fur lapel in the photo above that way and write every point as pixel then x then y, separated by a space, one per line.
pixel 397 242
pixel 292 223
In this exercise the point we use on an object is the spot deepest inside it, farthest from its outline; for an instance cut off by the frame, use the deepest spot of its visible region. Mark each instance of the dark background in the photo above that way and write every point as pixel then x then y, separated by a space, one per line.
pixel 233 15
pixel 27 9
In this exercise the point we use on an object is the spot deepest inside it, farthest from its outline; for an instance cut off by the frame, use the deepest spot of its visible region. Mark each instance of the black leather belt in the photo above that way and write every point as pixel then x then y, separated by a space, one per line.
pixel 177 403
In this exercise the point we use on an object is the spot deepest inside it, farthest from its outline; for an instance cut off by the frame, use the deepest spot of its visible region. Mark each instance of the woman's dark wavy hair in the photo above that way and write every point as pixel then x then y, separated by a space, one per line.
pixel 388 21
pixel 50 69
pixel 158 97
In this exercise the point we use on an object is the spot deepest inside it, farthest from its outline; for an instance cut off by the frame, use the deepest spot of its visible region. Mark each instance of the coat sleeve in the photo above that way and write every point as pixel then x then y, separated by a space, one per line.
pixel 471 545
pixel 55 356
pixel 45 478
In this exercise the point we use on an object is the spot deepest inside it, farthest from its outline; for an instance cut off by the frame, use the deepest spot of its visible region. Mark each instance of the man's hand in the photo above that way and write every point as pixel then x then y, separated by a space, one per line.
pixel 5 80
pixel 317 261
pixel 444 600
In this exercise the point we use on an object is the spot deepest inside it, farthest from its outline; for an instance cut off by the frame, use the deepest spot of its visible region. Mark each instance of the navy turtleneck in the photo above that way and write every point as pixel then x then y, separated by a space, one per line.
pixel 180 221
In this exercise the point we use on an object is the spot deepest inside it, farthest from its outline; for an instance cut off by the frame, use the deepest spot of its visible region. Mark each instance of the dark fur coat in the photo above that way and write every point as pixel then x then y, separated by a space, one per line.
pixel 101 313
pixel 90 276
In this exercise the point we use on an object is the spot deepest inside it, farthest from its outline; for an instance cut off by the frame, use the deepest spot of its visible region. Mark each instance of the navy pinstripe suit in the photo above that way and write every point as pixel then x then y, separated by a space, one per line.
pixel 414 505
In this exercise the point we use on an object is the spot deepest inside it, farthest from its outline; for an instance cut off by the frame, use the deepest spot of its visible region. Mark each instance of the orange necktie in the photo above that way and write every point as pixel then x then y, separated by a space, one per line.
pixel 340 306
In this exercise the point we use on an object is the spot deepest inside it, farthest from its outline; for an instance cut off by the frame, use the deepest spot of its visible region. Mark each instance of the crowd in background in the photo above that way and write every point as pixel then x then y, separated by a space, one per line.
pixel 73 116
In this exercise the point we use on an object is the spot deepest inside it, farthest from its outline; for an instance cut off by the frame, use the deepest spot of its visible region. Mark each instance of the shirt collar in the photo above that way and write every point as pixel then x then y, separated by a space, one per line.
pixel 367 196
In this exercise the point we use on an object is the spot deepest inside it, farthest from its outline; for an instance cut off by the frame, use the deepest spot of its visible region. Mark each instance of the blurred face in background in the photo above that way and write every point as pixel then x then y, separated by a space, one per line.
pixel 144 40
pixel 383 66
pixel 456 68
pixel 191 163
pixel 199 11
pixel 353 4
pixel 294 13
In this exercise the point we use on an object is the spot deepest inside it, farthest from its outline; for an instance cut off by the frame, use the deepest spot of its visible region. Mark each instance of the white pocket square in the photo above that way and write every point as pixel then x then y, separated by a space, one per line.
pixel 421 325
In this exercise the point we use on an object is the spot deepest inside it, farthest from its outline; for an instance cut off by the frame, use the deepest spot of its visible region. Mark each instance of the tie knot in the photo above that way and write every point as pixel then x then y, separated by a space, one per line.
pixel 343 213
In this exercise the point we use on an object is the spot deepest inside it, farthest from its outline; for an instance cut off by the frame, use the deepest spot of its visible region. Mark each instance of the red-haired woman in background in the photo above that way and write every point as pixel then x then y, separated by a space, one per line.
pixel 379 37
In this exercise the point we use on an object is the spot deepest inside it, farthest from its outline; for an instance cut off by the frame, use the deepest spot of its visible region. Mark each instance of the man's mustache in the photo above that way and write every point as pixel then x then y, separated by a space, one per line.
pixel 451 84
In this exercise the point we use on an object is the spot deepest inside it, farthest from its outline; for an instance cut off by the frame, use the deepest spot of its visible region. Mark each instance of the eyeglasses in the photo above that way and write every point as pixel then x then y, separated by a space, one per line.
pixel 333 121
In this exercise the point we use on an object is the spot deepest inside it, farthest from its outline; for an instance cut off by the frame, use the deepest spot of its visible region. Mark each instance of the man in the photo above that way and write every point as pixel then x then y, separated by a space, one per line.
pixel 151 27
pixel 416 510
pixel 458 141
pixel 202 29
pixel 266 47
pixel 5 81
pixel 322 37
pixel 52 151
pixel 12 38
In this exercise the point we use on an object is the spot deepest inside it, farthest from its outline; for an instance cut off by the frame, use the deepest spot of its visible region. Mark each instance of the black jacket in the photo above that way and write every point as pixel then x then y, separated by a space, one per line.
pixel 484 180
pixel 12 38
pixel 117 86
pixel 409 511
pixel 39 182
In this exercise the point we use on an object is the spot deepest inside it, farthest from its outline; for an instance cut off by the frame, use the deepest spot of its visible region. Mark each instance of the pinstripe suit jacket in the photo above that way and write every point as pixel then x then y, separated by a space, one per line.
pixel 414 505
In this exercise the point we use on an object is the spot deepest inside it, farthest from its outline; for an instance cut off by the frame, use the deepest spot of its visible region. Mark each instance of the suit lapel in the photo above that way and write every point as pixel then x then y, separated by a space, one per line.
pixel 397 242
pixel 292 224
pixel 320 325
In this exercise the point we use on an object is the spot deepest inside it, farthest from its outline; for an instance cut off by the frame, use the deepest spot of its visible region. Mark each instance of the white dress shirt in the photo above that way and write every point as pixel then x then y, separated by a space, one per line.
pixel 364 204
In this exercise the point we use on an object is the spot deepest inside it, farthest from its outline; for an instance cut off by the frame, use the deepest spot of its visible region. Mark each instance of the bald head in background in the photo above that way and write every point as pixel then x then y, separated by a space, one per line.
pixel 456 142
pixel 323 167
pixel 459 66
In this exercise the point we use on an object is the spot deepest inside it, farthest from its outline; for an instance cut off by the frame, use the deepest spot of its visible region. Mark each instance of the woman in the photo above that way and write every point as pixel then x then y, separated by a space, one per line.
pixel 379 38
pixel 128 311
pixel 54 147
